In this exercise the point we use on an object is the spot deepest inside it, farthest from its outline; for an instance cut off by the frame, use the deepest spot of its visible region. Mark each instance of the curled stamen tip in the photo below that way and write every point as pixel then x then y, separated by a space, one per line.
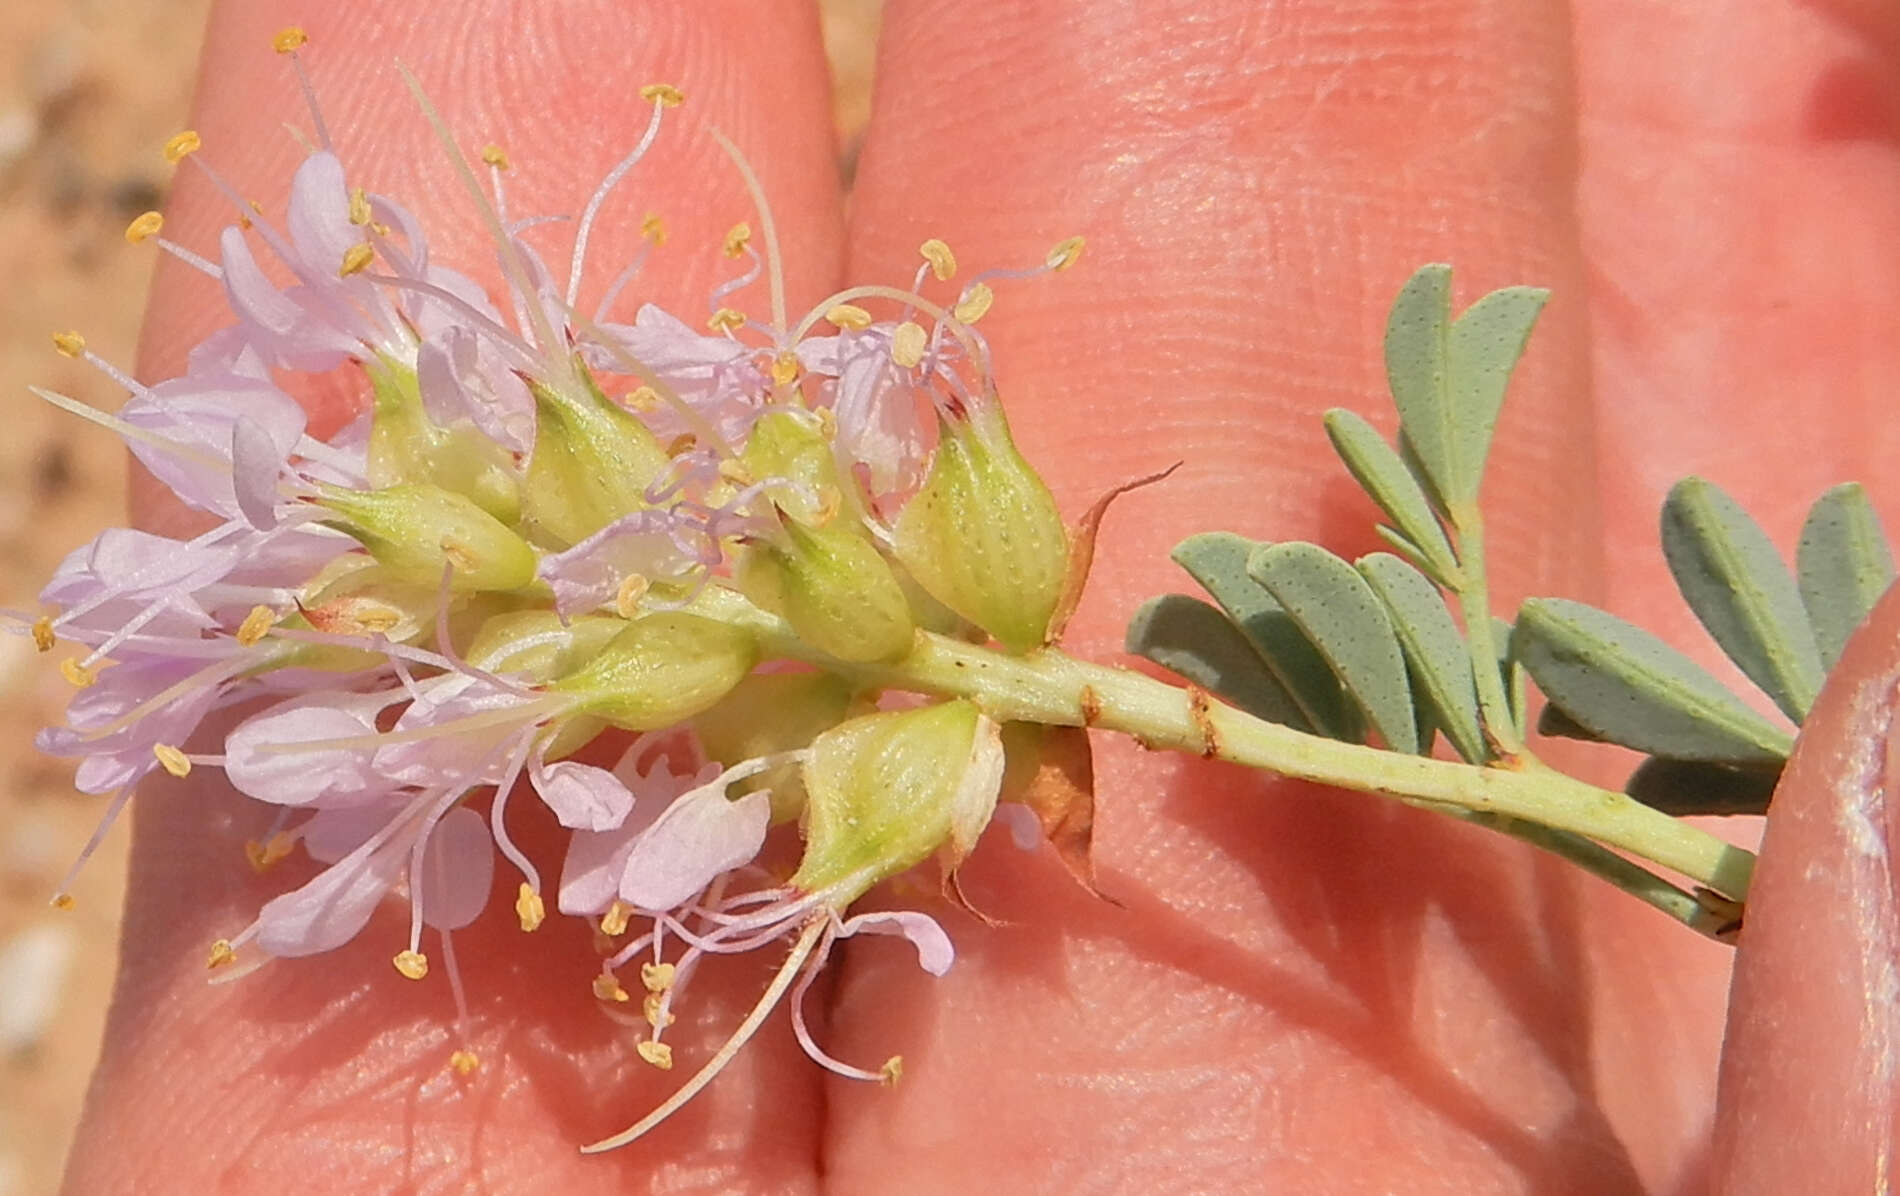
pixel 657 977
pixel 43 637
pixel 356 258
pixel 849 316
pixel 614 921
pixel 464 1061
pixel 221 953
pixel 1064 254
pixel 892 1071
pixel 737 238
pixel 69 344
pixel 974 304
pixel 182 145
pixel 63 901
pixel 413 964
pixel 943 263
pixel 256 625
pixel 144 227
pixel 530 908
pixel 496 156
pixel 664 94
pixel 289 39
pixel 658 1054
pixel 908 344
pixel 607 987
pixel 172 760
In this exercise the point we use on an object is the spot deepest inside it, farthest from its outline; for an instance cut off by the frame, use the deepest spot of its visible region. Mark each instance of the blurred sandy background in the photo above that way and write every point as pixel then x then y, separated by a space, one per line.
pixel 89 90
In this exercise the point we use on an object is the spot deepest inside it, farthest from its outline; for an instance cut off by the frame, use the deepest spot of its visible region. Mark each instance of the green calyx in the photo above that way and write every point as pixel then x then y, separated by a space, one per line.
pixel 418 531
pixel 983 536
pixel 836 590
pixel 659 670
pixel 592 463
pixel 884 791
pixel 405 445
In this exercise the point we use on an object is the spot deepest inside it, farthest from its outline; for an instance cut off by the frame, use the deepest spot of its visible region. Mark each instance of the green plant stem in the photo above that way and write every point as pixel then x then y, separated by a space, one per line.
pixel 1474 603
pixel 1054 688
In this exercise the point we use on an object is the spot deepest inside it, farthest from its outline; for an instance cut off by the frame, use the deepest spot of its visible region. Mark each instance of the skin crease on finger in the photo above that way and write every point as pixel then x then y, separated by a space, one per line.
pixel 1305 992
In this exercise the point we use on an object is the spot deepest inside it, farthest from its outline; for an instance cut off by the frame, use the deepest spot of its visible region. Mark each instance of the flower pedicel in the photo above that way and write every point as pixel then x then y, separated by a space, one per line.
pixel 550 527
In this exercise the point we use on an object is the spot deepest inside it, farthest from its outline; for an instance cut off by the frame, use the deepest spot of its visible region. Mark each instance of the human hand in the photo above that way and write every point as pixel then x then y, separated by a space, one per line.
pixel 1305 991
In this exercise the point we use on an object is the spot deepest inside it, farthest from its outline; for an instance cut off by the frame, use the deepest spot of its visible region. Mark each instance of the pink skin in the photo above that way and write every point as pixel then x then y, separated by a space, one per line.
pixel 1304 991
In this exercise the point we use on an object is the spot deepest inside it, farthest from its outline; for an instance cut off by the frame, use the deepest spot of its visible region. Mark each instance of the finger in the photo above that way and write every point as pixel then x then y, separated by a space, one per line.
pixel 1809 1098
pixel 1302 985
pixel 329 1074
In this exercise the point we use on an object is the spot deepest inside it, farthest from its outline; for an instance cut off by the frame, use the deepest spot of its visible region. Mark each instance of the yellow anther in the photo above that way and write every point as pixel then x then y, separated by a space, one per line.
pixel 657 1053
pixel 726 320
pixel 413 964
pixel 614 921
pixel 359 206
pixel 368 616
pixel 530 908
pixel 680 444
pixel 908 343
pixel 633 588
pixel 974 304
pixel 143 228
pixel 379 228
pixel 496 156
pixel 607 987
pixel 643 398
pixel 64 901
pixel 785 368
pixel 221 953
pixel 1064 254
pixel 78 674
pixel 256 625
pixel 736 239
pixel 892 1071
pixel 604 946
pixel 664 94
pixel 827 424
pixel 289 39
pixel 43 637
pixel 653 228
pixel 849 315
pixel 69 344
pixel 657 1017
pixel 943 263
pixel 464 1061
pixel 355 258
pixel 656 977
pixel 263 855
pixel 172 760
pixel 182 145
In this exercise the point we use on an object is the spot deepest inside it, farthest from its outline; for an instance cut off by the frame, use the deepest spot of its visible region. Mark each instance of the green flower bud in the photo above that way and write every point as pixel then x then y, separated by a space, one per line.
pixel 415 530
pixel 836 590
pixel 784 445
pixel 884 791
pixel 983 535
pixel 592 463
pixel 540 643
pixel 405 445
pixel 768 713
pixel 661 669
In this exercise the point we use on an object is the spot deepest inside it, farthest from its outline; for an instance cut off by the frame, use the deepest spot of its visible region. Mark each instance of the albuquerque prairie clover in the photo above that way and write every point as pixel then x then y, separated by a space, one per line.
pixel 697 538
